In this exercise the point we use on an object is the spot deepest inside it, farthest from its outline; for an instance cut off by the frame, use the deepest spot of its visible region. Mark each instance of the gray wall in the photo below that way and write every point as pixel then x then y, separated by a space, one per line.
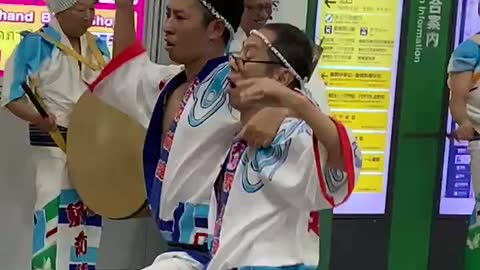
pixel 126 245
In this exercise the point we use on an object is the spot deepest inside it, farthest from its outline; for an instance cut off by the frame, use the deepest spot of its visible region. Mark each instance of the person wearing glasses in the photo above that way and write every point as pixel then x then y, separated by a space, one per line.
pixel 256 13
pixel 263 195
pixel 57 62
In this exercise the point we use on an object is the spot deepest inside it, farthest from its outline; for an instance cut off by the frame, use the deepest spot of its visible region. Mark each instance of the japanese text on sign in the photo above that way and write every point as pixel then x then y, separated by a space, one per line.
pixel 358 66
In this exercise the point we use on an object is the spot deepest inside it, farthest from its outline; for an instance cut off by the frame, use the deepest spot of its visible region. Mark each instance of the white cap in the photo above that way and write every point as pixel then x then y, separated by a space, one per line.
pixel 57 6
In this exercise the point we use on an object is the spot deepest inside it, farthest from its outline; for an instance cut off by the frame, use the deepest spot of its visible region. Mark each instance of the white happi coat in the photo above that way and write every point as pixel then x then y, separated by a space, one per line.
pixel 135 85
pixel 274 190
pixel 59 85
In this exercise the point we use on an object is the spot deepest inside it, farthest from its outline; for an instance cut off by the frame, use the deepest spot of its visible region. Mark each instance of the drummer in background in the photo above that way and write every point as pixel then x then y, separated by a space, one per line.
pixel 58 62
pixel 255 15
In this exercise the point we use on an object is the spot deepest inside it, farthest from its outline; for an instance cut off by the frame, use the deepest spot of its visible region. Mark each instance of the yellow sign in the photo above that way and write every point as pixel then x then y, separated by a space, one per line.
pixel 356 78
pixel 369 184
pixel 372 162
pixel 340 99
pixel 28 18
pixel 371 141
pixel 358 32
pixel 373 121
pixel 359 47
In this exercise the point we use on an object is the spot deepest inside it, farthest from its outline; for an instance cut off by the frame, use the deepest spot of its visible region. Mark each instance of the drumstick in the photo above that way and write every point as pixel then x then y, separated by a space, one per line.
pixel 55 135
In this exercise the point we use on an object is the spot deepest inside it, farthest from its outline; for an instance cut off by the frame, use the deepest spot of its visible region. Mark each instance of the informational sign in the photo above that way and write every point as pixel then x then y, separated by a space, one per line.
pixel 29 15
pixel 457 195
pixel 359 67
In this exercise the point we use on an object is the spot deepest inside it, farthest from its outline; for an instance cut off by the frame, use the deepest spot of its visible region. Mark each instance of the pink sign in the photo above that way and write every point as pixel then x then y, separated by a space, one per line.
pixel 29 15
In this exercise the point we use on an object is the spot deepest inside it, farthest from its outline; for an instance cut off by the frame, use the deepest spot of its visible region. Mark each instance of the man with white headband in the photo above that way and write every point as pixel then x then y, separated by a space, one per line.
pixel 263 196
pixel 185 109
pixel 57 62
pixel 255 15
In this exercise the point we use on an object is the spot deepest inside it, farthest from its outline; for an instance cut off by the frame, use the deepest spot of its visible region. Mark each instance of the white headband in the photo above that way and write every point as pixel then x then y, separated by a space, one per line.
pixel 217 15
pixel 304 81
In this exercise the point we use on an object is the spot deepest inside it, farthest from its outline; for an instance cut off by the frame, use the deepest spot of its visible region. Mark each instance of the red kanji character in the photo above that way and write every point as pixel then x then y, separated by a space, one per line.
pixel 237 150
pixel 214 246
pixel 189 92
pixel 313 223
pixel 167 144
pixel 80 244
pixel 160 173
pixel 75 214
pixel 178 114
pixel 227 183
pixel 161 85
pixel 200 238
pixel 82 266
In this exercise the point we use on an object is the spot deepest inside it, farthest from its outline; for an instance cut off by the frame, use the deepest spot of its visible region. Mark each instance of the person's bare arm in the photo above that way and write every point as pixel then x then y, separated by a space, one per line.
pixel 124 28
pixel 460 85
pixel 22 109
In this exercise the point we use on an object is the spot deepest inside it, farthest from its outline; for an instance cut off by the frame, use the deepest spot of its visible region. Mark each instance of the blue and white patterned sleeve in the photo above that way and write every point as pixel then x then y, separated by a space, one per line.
pixel 103 48
pixel 288 168
pixel 296 169
pixel 26 60
pixel 465 57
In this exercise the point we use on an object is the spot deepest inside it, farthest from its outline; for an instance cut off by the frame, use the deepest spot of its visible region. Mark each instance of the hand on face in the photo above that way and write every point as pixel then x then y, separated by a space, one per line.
pixel 264 92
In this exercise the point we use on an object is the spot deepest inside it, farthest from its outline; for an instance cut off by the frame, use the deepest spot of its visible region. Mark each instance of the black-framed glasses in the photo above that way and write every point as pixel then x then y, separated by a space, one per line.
pixel 238 59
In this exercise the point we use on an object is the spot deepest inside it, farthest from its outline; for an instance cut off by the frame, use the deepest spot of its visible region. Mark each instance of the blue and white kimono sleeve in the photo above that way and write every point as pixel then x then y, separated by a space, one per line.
pixel 296 169
pixel 131 83
pixel 465 58
pixel 26 60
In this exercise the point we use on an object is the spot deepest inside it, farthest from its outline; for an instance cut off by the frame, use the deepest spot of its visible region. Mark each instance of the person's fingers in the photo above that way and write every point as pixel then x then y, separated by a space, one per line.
pixel 245 83
pixel 252 92
pixel 233 64
pixel 266 143
pixel 240 135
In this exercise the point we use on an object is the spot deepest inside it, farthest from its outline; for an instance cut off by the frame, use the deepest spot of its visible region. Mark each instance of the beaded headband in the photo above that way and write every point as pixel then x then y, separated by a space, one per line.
pixel 284 61
pixel 217 15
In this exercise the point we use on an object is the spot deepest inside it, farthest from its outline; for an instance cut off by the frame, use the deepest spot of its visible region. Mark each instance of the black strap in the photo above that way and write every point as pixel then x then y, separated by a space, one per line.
pixel 200 248
pixel 39 137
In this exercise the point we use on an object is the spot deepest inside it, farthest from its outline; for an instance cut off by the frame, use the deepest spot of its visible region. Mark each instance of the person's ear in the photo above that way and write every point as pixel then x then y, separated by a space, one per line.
pixel 215 29
pixel 283 76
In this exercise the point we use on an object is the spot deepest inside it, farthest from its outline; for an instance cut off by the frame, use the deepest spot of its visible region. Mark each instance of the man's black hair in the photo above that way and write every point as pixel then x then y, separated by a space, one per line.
pixel 294 45
pixel 231 10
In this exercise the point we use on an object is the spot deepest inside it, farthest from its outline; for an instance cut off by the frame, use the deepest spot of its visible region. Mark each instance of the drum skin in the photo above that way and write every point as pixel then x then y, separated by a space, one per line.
pixel 104 159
